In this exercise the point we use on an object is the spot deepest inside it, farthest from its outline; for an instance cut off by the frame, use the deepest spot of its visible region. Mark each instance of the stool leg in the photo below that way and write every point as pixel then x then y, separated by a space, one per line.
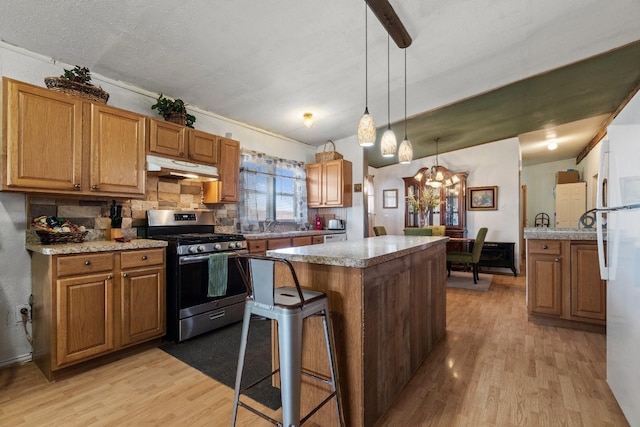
pixel 331 354
pixel 290 351
pixel 243 348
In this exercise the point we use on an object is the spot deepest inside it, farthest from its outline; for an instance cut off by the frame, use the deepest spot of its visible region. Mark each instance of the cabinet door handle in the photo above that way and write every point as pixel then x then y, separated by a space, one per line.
pixel 144 257
pixel 94 187
pixel 87 262
pixel 557 260
pixel 109 277
pixel 190 156
pixel 124 274
pixel 545 247
pixel 76 186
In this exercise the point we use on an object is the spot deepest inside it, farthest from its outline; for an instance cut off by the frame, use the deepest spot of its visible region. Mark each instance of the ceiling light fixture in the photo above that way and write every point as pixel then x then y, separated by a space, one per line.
pixel 405 152
pixel 388 144
pixel 390 21
pixel 307 119
pixel 552 146
pixel 438 175
pixel 366 126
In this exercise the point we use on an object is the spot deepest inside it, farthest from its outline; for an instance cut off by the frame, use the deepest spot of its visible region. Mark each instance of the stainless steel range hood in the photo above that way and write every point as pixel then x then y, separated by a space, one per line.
pixel 179 169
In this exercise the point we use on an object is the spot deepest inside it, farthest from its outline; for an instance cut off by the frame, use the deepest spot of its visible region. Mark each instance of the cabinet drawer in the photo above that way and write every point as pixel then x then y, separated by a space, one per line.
pixel 278 243
pixel 550 247
pixel 84 264
pixel 316 240
pixel 141 258
pixel 257 246
pixel 301 241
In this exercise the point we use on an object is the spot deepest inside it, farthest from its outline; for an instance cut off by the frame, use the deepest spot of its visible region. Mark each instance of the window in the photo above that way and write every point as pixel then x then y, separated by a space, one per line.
pixel 272 189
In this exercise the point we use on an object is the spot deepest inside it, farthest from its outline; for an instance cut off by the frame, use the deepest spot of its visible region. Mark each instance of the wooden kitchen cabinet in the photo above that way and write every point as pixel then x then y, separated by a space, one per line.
pixel 563 283
pixel 329 184
pixel 588 291
pixel 56 143
pixel 317 240
pixel 301 241
pixel 229 169
pixel 179 142
pixel 258 247
pixel 142 308
pixel 279 243
pixel 93 304
pixel 167 139
pixel 544 269
pixel 82 299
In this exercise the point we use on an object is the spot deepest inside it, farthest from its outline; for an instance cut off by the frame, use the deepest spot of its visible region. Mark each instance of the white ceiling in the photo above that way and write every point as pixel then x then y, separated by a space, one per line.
pixel 265 63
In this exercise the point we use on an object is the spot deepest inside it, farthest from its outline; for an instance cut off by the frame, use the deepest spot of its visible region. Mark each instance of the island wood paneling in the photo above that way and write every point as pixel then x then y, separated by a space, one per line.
pixel 386 319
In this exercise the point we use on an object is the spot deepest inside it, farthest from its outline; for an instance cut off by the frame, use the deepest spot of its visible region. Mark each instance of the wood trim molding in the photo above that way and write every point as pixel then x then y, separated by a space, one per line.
pixel 603 129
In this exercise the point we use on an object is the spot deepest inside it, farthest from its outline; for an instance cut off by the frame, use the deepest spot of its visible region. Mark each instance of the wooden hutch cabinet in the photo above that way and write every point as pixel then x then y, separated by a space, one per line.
pixel 452 212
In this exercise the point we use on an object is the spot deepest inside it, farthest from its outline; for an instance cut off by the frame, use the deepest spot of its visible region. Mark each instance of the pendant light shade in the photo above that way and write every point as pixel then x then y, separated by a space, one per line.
pixel 366 130
pixel 366 126
pixel 405 152
pixel 388 144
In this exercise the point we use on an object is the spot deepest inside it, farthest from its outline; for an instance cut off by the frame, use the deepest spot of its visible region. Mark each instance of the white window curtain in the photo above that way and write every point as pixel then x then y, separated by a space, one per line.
pixel 371 204
pixel 271 189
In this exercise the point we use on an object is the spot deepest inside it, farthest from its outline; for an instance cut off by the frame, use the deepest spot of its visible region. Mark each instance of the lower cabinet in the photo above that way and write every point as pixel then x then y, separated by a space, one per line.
pixel 89 305
pixel 260 247
pixel 544 281
pixel 563 281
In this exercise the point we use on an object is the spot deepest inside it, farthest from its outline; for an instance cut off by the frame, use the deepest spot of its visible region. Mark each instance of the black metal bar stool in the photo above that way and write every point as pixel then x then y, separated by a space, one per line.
pixel 288 306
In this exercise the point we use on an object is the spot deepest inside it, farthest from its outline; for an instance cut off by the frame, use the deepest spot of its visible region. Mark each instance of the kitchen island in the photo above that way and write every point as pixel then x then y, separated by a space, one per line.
pixel 387 297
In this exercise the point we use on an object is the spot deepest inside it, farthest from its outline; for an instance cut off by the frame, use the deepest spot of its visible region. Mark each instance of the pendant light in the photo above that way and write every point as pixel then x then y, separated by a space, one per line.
pixel 366 126
pixel 405 152
pixel 388 143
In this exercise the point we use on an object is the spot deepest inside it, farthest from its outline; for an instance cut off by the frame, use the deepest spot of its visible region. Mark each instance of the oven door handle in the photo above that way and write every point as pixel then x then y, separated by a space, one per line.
pixel 192 259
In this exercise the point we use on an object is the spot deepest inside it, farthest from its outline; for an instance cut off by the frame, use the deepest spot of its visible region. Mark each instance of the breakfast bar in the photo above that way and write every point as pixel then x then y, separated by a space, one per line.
pixel 388 305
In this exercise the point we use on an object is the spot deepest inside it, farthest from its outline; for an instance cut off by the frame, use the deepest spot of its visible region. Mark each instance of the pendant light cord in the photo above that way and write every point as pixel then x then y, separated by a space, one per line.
pixel 405 94
pixel 366 58
pixel 388 85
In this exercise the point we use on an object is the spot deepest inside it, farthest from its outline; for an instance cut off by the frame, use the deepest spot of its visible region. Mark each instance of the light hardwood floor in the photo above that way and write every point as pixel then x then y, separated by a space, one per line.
pixel 493 368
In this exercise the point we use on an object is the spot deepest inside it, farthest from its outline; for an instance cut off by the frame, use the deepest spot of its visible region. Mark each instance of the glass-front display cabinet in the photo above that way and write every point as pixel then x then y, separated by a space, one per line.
pixel 442 190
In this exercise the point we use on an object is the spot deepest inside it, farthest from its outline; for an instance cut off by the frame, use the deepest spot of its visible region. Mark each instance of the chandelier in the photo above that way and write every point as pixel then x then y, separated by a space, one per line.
pixel 438 176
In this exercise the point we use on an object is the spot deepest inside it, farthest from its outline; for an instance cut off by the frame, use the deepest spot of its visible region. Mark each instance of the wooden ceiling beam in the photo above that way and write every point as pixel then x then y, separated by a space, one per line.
pixel 391 22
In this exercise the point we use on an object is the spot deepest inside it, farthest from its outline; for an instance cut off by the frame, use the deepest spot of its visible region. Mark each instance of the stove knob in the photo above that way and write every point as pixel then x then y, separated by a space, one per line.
pixel 192 249
pixel 232 245
pixel 217 246
pixel 200 248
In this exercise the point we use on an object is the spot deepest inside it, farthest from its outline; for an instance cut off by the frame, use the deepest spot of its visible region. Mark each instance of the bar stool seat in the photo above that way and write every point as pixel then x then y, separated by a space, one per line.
pixel 288 306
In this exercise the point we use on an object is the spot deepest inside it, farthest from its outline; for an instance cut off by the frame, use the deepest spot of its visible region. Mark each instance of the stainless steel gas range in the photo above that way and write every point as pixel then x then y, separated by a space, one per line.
pixel 191 239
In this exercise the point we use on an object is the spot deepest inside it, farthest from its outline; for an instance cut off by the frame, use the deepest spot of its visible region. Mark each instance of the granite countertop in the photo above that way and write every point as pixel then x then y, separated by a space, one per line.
pixel 546 233
pixel 293 233
pixel 95 246
pixel 359 253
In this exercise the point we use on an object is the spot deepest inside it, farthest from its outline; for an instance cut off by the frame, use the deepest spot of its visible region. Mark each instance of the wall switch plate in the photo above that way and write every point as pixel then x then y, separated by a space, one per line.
pixel 19 314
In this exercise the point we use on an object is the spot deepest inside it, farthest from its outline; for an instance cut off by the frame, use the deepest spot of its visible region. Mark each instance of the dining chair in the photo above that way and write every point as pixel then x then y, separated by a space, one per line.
pixel 438 230
pixel 418 231
pixel 472 257
pixel 379 230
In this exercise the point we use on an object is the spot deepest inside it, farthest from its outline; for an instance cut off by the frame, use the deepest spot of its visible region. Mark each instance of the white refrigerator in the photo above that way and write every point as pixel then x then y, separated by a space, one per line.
pixel 618 229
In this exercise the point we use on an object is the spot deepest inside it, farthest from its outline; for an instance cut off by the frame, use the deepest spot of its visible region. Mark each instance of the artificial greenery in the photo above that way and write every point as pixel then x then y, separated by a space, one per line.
pixel 78 74
pixel 166 106
pixel 429 200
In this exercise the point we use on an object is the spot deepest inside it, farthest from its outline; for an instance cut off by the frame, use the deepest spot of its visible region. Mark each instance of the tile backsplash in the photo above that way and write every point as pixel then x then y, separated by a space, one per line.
pixel 160 193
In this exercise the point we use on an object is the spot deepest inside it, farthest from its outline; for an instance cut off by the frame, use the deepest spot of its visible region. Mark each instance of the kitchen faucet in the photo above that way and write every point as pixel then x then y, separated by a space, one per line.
pixel 268 224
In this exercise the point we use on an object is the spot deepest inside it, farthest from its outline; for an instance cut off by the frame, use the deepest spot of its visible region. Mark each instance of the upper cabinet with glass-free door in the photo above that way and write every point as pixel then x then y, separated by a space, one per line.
pixel 446 187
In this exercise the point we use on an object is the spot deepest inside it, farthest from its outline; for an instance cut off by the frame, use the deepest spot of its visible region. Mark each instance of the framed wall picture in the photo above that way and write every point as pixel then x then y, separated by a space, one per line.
pixel 390 199
pixel 482 198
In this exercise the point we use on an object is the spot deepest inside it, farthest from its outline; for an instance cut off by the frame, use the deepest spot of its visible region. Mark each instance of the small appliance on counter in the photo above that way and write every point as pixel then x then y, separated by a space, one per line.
pixel 318 223
pixel 335 224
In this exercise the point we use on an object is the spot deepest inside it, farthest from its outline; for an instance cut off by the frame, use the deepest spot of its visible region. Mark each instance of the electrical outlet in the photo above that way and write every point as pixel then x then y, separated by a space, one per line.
pixel 19 309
